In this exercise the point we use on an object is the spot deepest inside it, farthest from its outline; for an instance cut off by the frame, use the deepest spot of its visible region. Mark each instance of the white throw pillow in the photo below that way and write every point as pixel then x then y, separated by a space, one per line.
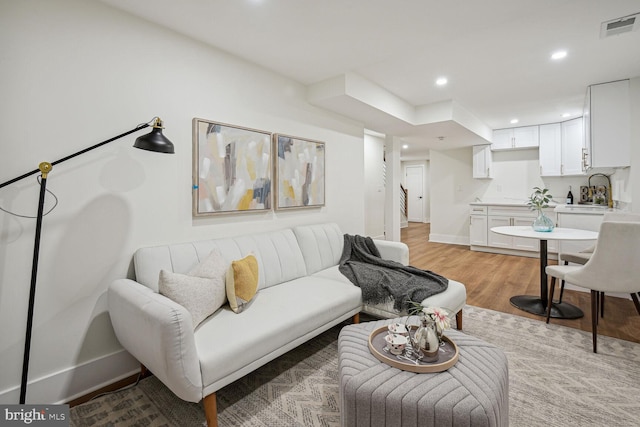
pixel 202 291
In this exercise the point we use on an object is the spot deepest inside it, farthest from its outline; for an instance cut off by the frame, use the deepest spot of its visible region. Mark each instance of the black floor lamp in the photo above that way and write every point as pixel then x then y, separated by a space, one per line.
pixel 153 141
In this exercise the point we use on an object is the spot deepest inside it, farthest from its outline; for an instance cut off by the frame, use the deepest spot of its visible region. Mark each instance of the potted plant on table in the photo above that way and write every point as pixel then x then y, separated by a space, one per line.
pixel 539 200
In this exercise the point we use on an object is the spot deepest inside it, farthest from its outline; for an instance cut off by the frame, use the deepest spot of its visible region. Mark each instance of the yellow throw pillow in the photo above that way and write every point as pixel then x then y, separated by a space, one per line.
pixel 242 282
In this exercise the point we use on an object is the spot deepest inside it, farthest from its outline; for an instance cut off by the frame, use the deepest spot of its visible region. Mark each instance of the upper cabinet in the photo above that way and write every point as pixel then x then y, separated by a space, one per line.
pixel 551 149
pixel 573 147
pixel 562 147
pixel 512 138
pixel 482 158
pixel 607 125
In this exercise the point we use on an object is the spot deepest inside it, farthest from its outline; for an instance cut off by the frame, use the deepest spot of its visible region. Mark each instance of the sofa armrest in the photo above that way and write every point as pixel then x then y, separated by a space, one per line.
pixel 158 332
pixel 394 251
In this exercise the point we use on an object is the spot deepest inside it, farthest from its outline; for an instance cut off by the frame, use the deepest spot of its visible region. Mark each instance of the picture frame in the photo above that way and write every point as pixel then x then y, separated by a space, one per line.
pixel 232 169
pixel 299 172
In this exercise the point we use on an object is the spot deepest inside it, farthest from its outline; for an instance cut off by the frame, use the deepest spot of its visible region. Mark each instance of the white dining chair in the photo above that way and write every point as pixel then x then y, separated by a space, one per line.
pixel 583 256
pixel 614 267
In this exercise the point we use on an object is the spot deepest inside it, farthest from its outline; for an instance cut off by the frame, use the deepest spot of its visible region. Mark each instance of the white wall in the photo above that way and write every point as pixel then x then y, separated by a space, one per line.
pixel 75 73
pixel 515 173
pixel 633 188
pixel 374 186
pixel 452 189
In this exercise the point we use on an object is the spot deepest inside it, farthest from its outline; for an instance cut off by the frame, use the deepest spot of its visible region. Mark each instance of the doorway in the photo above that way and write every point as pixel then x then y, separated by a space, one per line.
pixel 414 182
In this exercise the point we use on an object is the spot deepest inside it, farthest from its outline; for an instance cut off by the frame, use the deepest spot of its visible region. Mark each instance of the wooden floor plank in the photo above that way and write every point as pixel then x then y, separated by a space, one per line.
pixel 491 279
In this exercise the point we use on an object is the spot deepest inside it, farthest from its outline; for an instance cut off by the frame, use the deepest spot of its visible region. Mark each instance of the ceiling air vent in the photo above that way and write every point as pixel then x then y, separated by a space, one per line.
pixel 620 25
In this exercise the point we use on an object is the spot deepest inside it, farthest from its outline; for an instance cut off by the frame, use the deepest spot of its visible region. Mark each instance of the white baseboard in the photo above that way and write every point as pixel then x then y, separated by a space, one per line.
pixel 77 381
pixel 449 238
pixel 503 251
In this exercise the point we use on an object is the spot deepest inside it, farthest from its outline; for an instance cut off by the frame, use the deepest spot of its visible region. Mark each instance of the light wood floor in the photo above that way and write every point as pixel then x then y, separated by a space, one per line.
pixel 491 279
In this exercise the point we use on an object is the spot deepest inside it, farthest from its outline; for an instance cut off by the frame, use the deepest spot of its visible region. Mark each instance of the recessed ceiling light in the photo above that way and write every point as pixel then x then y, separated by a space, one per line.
pixel 514 121
pixel 441 81
pixel 405 146
pixel 558 54
pixel 565 115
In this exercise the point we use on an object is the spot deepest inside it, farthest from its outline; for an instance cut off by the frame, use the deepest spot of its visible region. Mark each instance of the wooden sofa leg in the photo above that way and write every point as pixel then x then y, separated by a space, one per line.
pixel 210 410
pixel 356 318
pixel 459 320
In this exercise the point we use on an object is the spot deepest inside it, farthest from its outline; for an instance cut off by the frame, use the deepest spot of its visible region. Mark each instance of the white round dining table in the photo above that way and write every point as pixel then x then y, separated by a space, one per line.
pixel 538 304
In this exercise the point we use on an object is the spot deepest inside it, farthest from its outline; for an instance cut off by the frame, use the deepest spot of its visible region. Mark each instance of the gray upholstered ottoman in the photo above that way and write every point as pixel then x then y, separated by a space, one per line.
pixel 473 392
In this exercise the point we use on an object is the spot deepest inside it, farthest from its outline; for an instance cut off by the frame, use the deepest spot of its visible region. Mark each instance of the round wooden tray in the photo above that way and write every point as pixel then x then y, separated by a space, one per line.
pixel 447 354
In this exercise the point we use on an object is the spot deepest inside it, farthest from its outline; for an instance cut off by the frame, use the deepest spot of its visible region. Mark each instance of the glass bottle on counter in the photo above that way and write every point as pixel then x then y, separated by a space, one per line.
pixel 570 197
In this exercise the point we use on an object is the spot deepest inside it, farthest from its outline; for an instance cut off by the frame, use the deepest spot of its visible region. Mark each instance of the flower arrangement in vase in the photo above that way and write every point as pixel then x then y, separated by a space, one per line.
pixel 539 200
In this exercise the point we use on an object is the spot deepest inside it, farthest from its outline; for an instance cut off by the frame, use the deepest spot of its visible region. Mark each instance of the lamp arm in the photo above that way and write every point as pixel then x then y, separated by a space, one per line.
pixel 93 147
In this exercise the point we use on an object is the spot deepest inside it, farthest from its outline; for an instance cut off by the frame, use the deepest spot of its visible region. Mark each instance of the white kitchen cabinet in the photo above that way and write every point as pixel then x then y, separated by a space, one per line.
pixel 607 115
pixel 478 226
pixel 561 148
pixel 510 242
pixel 482 159
pixel 499 240
pixel 573 146
pixel 551 149
pixel 484 217
pixel 513 138
pixel 584 221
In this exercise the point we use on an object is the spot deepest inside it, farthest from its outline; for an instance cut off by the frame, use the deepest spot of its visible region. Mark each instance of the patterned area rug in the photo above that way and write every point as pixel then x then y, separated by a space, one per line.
pixel 555 380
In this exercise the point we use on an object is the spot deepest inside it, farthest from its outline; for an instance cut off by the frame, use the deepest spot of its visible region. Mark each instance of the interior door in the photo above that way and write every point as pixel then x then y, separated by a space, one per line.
pixel 414 180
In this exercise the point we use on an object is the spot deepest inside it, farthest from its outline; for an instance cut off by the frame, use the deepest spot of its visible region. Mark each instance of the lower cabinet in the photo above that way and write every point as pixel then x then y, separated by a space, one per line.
pixel 582 221
pixel 501 241
pixel 481 238
pixel 478 230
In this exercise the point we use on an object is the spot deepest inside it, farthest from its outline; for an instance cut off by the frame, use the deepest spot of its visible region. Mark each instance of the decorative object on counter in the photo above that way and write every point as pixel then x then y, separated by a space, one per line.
pixel 539 200
pixel 600 194
pixel 584 194
pixel 570 197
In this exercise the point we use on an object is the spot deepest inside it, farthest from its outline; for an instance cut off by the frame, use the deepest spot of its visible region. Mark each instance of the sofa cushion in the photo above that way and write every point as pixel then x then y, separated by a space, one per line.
pixel 201 291
pixel 321 245
pixel 242 282
pixel 292 311
pixel 196 294
pixel 278 253
pixel 214 267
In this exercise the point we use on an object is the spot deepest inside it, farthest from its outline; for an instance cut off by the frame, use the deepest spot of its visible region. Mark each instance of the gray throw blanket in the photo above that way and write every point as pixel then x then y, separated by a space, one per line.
pixel 381 280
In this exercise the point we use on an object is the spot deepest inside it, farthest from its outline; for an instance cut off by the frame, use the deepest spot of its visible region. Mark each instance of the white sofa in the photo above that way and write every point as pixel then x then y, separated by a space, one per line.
pixel 301 293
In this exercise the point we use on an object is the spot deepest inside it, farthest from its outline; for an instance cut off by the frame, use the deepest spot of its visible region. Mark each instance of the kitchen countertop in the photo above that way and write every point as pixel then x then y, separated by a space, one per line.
pixel 506 202
pixel 584 209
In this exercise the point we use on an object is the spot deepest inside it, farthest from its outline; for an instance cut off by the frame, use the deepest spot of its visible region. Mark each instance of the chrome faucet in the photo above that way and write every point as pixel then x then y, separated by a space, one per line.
pixel 609 195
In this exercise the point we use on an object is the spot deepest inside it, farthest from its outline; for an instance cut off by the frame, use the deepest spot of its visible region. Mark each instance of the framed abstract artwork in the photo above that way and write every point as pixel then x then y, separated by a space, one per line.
pixel 299 172
pixel 231 169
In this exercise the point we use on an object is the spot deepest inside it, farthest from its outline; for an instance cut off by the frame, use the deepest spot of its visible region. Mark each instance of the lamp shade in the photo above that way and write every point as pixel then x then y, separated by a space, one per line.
pixel 155 140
